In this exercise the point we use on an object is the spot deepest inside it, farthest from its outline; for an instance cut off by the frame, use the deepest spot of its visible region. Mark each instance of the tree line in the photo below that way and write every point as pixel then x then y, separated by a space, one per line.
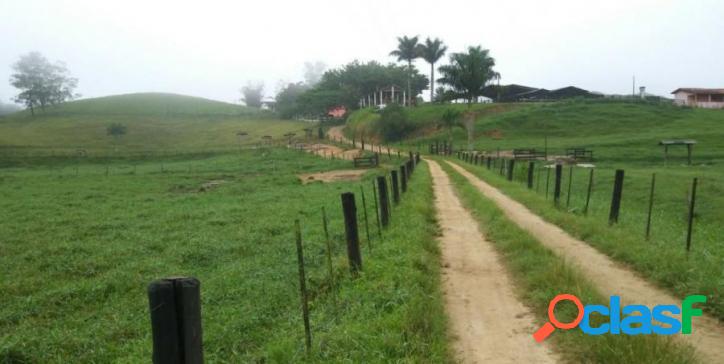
pixel 463 78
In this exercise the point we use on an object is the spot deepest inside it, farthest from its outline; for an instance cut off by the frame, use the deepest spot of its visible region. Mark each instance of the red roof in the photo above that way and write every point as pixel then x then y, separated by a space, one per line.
pixel 708 91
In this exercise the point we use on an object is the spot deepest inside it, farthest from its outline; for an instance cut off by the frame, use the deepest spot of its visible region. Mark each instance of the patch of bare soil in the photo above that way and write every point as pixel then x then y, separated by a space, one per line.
pixel 333 176
pixel 495 134
pixel 610 277
pixel 332 151
pixel 210 185
pixel 489 323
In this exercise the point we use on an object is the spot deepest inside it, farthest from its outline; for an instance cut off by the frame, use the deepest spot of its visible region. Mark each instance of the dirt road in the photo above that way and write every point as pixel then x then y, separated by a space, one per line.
pixel 610 277
pixel 488 322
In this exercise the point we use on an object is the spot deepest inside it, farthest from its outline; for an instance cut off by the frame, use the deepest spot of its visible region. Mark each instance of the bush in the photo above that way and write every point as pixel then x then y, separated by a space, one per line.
pixel 393 123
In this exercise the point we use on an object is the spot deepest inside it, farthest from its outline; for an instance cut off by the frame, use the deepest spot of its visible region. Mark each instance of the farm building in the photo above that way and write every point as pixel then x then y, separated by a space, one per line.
pixel 269 104
pixel 710 98
pixel 515 93
pixel 337 112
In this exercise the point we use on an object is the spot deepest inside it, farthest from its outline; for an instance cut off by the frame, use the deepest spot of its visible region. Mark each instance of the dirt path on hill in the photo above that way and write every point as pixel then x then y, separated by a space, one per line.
pixel 610 277
pixel 488 322
pixel 336 133
pixel 331 151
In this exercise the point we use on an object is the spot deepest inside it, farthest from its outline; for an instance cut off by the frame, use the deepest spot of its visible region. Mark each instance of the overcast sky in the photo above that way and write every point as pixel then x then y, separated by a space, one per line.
pixel 212 48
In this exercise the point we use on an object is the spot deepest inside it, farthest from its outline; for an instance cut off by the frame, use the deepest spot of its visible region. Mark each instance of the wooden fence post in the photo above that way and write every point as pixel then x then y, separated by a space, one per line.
pixel 692 203
pixel 588 192
pixel 350 228
pixel 557 186
pixel 395 187
pixel 616 197
pixel 303 287
pixel 175 305
pixel 651 206
pixel 384 201
pixel 511 169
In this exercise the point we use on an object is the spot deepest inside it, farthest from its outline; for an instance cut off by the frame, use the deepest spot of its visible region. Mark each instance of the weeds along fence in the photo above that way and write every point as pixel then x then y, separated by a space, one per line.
pixel 667 209
pixel 175 304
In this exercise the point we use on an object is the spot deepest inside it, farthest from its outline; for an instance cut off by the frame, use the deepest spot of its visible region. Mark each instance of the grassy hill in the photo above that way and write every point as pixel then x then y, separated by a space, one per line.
pixel 147 104
pixel 616 131
pixel 155 122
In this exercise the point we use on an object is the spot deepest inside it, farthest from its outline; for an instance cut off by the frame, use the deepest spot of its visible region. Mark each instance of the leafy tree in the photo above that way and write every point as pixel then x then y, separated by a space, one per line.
pixel 347 84
pixel 287 99
pixel 41 82
pixel 431 51
pixel 252 94
pixel 468 73
pixel 393 123
pixel 407 50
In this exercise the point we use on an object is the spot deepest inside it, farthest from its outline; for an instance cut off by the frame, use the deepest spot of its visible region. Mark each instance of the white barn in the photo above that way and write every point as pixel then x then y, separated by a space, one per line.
pixel 710 98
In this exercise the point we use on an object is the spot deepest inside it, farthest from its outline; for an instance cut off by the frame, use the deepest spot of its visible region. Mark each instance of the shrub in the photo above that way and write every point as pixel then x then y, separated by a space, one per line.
pixel 393 123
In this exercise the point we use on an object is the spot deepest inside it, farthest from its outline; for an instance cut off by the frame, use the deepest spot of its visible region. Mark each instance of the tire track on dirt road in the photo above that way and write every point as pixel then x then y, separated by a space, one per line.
pixel 609 276
pixel 488 322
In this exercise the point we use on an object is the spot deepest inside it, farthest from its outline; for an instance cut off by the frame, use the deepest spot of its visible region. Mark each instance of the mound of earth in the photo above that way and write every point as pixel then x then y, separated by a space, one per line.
pixel 333 176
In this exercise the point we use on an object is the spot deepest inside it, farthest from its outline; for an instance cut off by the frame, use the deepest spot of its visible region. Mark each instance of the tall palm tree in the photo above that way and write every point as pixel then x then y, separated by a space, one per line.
pixel 467 75
pixel 431 51
pixel 407 50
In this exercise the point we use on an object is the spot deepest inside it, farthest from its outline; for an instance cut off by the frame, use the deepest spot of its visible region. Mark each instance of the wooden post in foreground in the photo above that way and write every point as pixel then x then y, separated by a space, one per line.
pixel 175 305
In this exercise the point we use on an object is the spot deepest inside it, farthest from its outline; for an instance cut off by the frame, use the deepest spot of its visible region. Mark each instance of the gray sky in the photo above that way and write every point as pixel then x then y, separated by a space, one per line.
pixel 212 48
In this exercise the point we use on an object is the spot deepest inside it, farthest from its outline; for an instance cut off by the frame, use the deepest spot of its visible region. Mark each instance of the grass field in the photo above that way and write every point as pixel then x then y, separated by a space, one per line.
pixel 155 123
pixel 77 253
